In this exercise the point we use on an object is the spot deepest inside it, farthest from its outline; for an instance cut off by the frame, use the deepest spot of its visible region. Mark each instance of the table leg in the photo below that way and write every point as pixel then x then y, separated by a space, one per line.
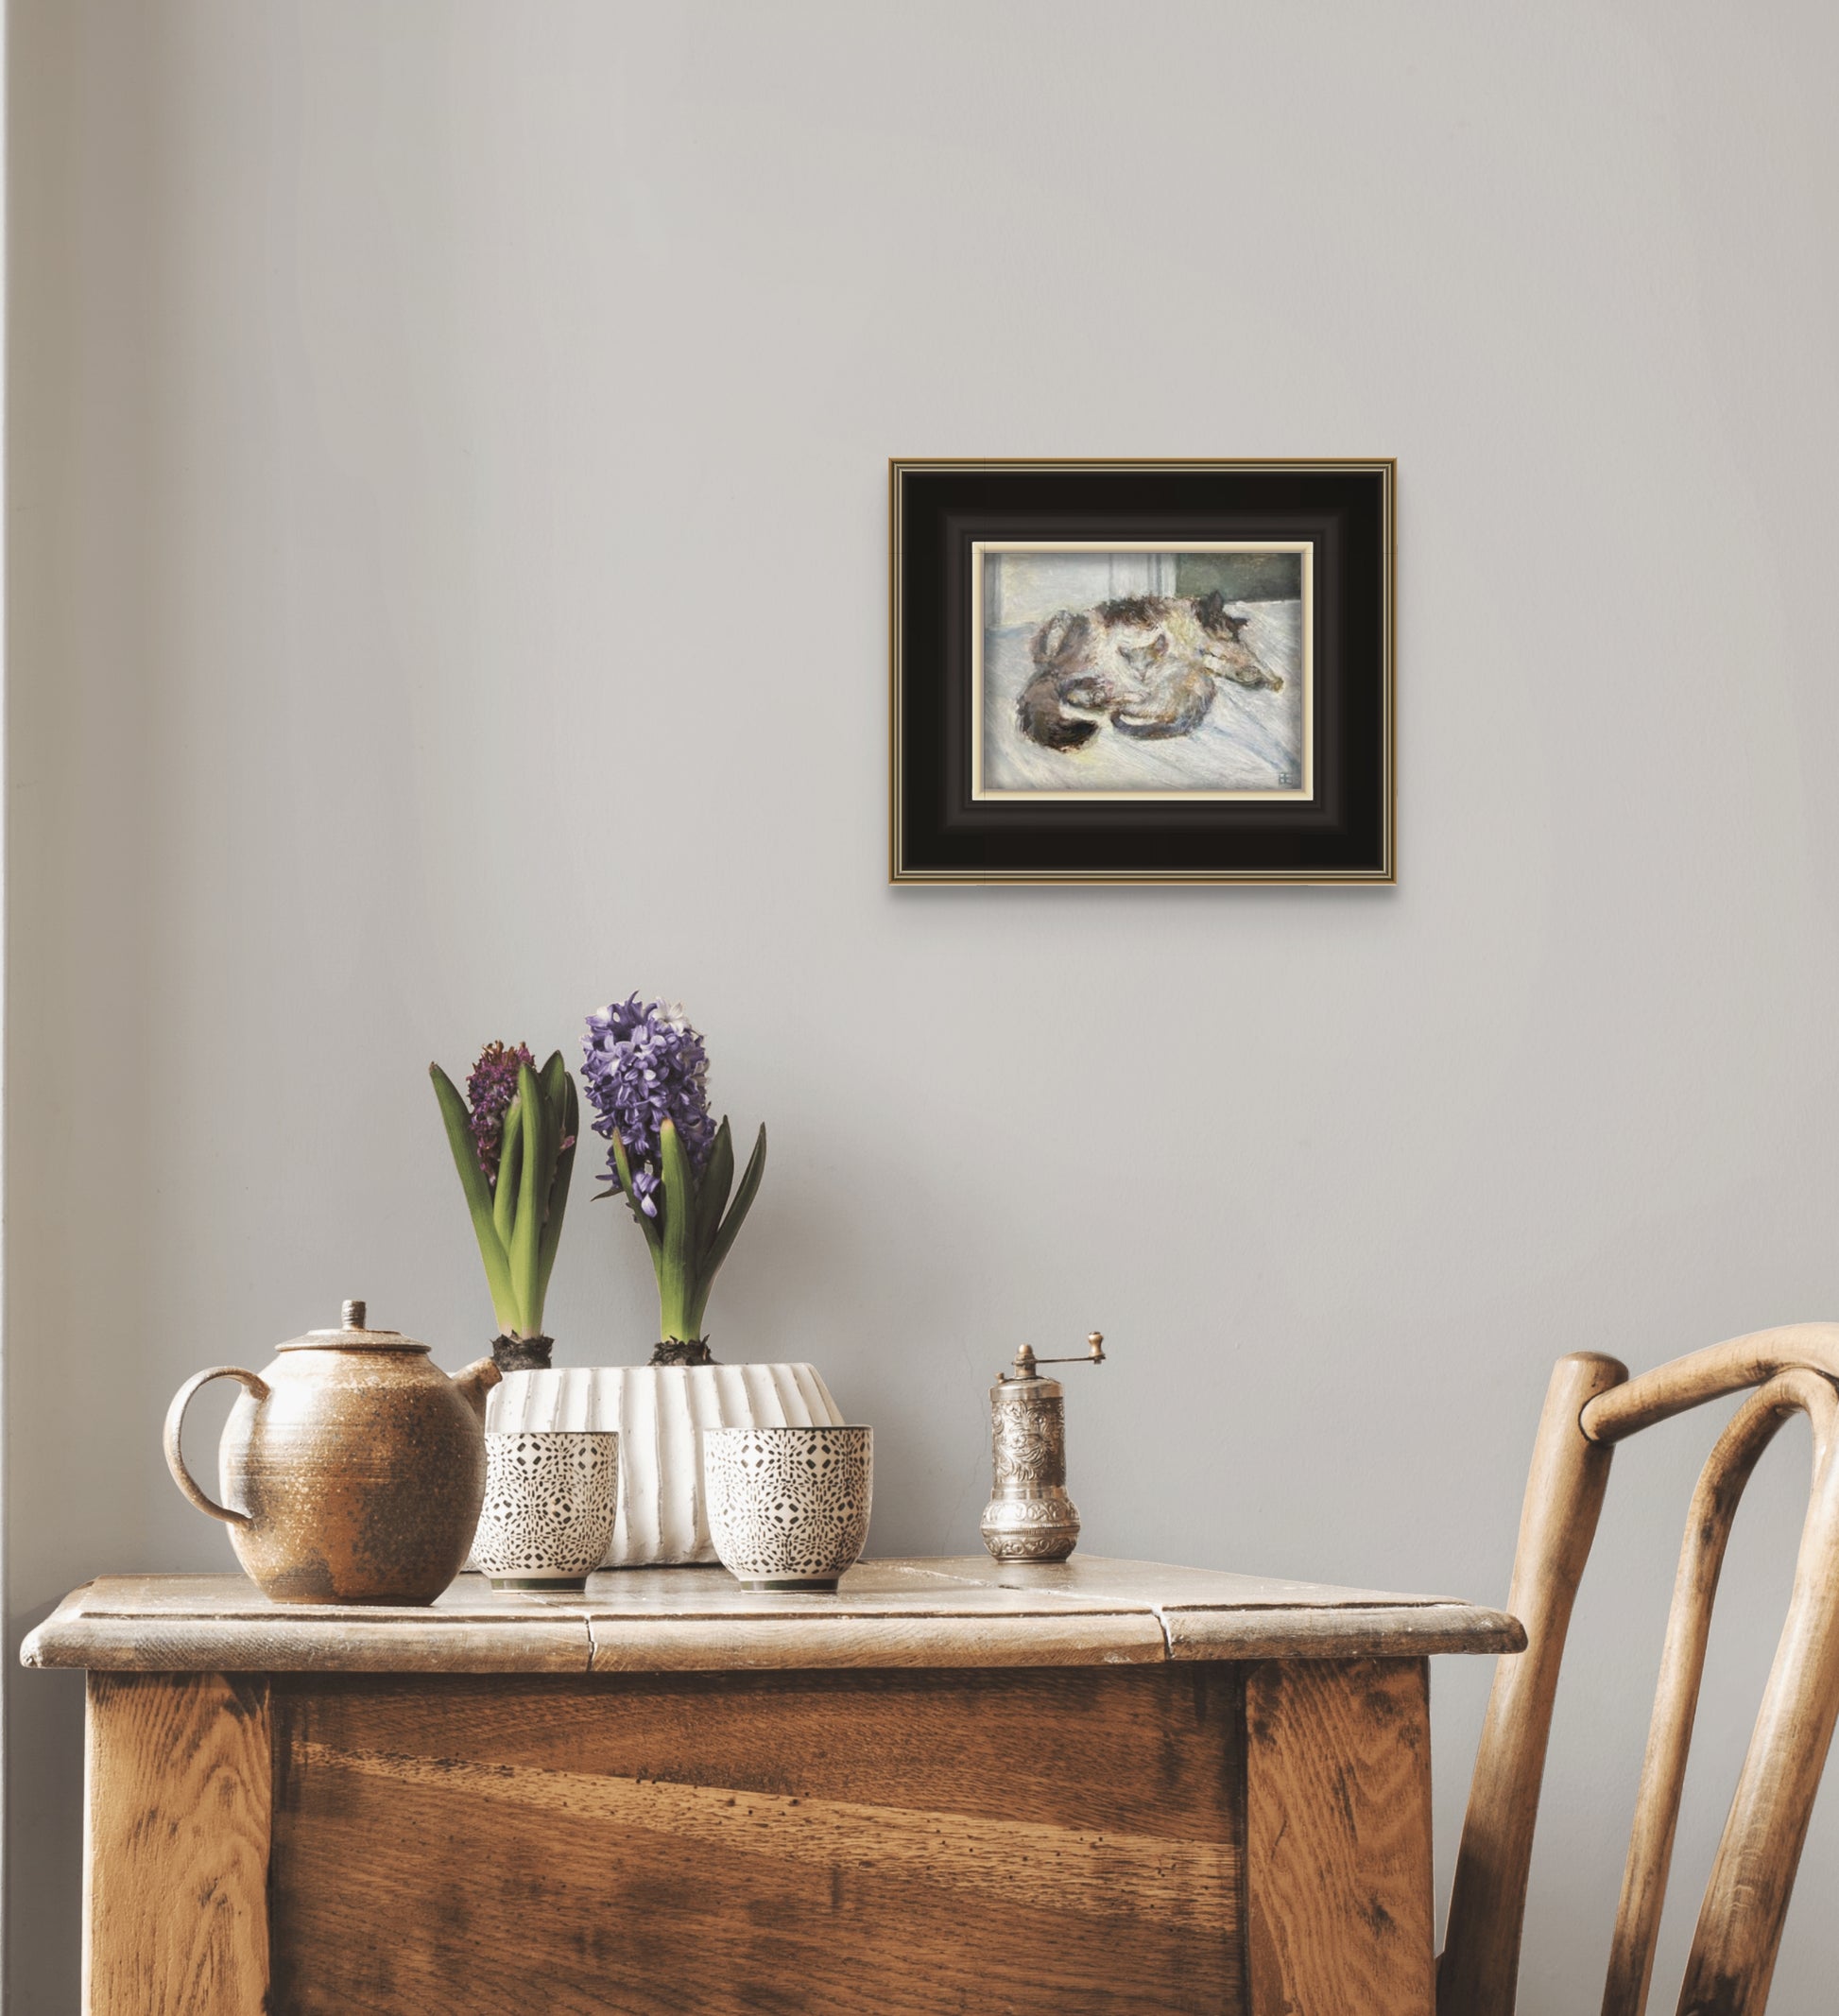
pixel 174 1909
pixel 1339 1879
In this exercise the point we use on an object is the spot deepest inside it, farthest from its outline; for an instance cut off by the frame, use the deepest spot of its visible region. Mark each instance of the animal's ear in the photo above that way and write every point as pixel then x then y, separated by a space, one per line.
pixel 1212 611
pixel 1158 644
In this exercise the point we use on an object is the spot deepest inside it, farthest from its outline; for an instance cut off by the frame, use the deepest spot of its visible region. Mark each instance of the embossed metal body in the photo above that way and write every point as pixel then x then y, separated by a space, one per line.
pixel 1030 1517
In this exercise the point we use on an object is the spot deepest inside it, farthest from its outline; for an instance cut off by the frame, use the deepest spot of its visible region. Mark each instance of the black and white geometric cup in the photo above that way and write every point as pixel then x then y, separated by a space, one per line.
pixel 788 1508
pixel 550 1499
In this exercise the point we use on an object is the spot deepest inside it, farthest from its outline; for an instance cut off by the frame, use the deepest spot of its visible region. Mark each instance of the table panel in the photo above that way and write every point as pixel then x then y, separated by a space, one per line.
pixel 1009 1844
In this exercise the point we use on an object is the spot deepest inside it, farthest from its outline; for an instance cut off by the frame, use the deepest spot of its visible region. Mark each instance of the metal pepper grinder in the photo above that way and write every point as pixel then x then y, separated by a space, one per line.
pixel 1030 1517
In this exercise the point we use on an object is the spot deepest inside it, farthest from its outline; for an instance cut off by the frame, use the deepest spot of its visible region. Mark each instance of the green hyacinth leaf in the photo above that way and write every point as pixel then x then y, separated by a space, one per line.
pixel 744 1197
pixel 558 1182
pixel 556 1085
pixel 532 1186
pixel 717 1180
pixel 511 1165
pixel 459 1124
pixel 677 1276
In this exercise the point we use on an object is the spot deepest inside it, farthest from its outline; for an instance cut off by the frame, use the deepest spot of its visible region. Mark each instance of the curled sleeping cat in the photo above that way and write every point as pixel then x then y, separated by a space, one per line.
pixel 1148 662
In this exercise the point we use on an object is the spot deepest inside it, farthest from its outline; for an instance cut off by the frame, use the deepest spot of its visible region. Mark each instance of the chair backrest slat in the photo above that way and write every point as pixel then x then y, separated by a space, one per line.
pixel 1591 1404
pixel 1753 1873
pixel 1713 1511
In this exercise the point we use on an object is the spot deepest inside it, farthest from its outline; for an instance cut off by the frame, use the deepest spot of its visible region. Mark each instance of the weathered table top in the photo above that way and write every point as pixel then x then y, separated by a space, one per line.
pixel 948 1612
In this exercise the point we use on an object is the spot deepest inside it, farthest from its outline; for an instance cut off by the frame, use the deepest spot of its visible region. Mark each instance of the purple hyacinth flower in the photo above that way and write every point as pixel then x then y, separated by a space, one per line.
pixel 645 1186
pixel 643 1064
pixel 489 1094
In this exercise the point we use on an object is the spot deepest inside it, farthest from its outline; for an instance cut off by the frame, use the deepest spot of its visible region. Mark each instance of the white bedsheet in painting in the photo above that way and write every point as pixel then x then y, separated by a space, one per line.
pixel 1251 739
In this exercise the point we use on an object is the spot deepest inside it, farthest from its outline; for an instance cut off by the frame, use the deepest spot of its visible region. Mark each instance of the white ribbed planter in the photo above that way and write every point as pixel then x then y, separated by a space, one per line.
pixel 659 1410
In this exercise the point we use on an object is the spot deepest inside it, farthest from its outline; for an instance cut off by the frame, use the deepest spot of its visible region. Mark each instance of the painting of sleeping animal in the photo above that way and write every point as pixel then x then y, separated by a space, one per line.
pixel 1148 662
pixel 1128 672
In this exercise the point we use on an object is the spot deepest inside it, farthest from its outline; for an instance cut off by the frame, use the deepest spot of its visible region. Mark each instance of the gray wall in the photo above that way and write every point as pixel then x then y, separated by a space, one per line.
pixel 384 379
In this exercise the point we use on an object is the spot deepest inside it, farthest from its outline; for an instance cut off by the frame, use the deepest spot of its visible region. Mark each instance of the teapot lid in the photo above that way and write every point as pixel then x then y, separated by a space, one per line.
pixel 352 1336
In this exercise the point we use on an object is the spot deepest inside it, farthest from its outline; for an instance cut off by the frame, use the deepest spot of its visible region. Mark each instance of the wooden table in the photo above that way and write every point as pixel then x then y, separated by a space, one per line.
pixel 952 1786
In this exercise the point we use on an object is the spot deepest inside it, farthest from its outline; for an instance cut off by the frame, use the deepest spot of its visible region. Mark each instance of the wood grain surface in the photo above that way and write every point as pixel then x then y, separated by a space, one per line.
pixel 1338 1838
pixel 1480 1969
pixel 954 1786
pixel 1723 1368
pixel 978 1843
pixel 1745 1904
pixel 175 1905
pixel 1025 1636
pixel 954 1612
pixel 1342 1632
pixel 1709 1522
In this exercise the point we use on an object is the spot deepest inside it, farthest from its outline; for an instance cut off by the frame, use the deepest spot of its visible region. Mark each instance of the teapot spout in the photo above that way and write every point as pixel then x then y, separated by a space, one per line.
pixel 475 1382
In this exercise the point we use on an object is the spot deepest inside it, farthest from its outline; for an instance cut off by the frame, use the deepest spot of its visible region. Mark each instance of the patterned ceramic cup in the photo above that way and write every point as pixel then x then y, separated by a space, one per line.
pixel 788 1508
pixel 551 1497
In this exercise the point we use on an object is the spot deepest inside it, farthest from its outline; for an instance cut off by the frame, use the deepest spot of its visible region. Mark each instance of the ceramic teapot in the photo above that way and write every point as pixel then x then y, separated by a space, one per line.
pixel 361 1467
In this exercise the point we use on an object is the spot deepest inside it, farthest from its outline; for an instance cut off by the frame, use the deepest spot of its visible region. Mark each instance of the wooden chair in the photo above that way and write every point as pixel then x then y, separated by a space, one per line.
pixel 1591 1406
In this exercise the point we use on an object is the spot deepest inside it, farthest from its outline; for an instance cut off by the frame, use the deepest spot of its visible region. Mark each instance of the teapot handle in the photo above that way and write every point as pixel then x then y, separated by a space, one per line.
pixel 250 1384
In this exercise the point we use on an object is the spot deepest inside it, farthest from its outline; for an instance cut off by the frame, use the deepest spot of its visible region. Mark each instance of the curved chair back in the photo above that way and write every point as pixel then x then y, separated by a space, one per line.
pixel 1590 1406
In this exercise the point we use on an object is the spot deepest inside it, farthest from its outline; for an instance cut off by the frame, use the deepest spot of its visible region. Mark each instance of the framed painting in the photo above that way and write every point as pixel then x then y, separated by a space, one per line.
pixel 1142 672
